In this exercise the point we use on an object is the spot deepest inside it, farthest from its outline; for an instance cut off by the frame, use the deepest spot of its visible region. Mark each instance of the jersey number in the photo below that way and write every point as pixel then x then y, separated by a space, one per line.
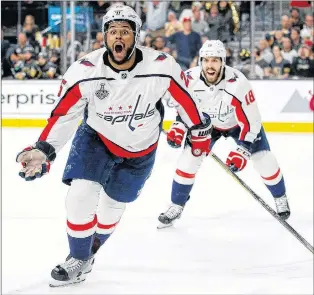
pixel 185 79
pixel 249 98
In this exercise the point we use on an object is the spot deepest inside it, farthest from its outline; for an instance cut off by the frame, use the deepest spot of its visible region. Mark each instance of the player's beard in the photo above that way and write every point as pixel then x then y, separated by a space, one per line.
pixel 126 57
pixel 212 79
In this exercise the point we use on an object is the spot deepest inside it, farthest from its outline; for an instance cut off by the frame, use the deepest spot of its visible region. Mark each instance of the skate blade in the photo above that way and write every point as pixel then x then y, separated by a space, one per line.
pixel 162 225
pixel 55 283
pixel 58 284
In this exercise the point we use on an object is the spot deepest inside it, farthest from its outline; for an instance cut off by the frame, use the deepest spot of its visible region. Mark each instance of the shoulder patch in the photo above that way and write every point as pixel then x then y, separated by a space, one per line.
pixel 86 63
pixel 234 78
pixel 161 57
pixel 188 75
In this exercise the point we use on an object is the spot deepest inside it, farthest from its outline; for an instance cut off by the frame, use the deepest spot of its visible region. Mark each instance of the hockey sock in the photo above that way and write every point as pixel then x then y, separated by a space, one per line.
pixel 266 165
pixel 80 248
pixel 180 193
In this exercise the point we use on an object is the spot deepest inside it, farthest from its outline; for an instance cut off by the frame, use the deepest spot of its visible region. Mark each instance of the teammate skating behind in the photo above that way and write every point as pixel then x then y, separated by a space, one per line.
pixel 226 96
pixel 118 89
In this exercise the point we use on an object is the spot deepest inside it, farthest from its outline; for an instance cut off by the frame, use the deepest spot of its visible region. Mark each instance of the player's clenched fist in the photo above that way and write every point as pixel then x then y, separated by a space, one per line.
pixel 200 138
pixel 36 160
pixel 175 134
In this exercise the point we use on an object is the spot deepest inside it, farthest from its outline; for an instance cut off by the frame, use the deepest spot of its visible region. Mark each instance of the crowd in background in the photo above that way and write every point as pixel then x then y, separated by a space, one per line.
pixel 178 28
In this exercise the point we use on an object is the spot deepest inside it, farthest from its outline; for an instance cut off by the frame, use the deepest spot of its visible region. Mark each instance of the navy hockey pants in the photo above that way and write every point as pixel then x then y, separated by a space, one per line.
pixel 260 143
pixel 121 178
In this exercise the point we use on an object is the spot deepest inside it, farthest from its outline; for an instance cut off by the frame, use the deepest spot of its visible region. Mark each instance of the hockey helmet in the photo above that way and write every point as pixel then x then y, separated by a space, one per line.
pixel 213 48
pixel 122 13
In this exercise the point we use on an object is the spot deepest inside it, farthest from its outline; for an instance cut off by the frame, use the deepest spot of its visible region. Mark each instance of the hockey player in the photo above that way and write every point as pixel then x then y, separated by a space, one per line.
pixel 118 89
pixel 226 96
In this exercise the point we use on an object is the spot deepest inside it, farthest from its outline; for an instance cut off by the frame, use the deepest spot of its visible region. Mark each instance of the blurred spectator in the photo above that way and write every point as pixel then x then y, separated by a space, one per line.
pixel 49 66
pixel 262 69
pixel 187 44
pixel 280 68
pixel 270 40
pixel 226 14
pixel 306 37
pixel 278 37
pixel 285 25
pixel 265 51
pixel 31 38
pixel 295 18
pixel 295 38
pixel 156 16
pixel 198 25
pixel 148 41
pixel 188 11
pixel 77 48
pixel 100 38
pixel 229 57
pixel 159 44
pixel 96 45
pixel 29 25
pixel 308 26
pixel 302 65
pixel 5 66
pixel 173 25
pixel 215 21
pixel 24 51
pixel 287 52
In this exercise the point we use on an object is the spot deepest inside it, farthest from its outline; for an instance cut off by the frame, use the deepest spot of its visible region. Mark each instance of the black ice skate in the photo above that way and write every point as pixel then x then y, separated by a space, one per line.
pixel 166 219
pixel 72 271
pixel 282 206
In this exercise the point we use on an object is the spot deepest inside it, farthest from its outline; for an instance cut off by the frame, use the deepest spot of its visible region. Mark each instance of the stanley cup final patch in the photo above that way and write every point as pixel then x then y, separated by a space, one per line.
pixel 102 92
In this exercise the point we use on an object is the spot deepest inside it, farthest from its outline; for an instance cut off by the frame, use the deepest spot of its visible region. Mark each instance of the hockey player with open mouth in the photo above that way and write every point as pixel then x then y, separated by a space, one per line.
pixel 117 90
pixel 226 96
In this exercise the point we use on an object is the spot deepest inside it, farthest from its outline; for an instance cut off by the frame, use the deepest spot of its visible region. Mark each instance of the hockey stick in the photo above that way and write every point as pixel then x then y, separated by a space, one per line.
pixel 264 204
pixel 261 201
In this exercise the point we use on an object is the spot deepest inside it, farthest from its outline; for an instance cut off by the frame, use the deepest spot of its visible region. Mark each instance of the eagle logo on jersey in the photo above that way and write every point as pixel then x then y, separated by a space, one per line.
pixel 102 92
pixel 234 79
pixel 161 57
pixel 188 75
pixel 86 62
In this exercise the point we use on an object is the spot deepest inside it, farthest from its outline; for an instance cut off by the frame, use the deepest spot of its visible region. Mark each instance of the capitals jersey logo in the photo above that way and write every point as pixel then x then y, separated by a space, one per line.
pixel 124 116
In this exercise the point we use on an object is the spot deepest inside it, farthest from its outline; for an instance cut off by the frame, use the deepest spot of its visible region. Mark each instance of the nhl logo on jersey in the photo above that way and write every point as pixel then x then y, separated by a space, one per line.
pixel 124 76
pixel 102 92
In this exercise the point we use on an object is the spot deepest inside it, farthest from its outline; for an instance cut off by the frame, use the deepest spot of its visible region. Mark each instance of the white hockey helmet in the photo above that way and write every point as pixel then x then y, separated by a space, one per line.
pixel 213 48
pixel 122 13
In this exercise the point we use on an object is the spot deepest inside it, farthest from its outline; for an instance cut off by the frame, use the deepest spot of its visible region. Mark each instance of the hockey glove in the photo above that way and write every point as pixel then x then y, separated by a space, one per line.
pixel 175 134
pixel 200 138
pixel 36 160
pixel 237 159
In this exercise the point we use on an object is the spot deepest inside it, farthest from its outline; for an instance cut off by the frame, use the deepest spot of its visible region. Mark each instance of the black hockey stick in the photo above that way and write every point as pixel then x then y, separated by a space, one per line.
pixel 262 202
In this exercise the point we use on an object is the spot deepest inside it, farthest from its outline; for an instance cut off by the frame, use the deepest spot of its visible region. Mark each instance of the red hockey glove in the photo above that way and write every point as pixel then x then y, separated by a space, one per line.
pixel 200 139
pixel 175 134
pixel 36 160
pixel 237 159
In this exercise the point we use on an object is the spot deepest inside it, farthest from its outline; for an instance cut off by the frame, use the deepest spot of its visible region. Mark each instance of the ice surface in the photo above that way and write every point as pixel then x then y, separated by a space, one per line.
pixel 225 242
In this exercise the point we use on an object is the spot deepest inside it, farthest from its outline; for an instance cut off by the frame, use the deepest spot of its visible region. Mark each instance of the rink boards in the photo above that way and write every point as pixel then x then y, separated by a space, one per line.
pixel 284 105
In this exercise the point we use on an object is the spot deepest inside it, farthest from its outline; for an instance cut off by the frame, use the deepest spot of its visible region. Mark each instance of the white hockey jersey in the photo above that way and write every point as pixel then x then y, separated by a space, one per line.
pixel 124 107
pixel 229 103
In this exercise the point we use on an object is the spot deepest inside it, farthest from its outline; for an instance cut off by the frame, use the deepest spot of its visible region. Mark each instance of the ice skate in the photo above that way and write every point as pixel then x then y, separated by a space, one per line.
pixel 72 271
pixel 282 206
pixel 166 219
